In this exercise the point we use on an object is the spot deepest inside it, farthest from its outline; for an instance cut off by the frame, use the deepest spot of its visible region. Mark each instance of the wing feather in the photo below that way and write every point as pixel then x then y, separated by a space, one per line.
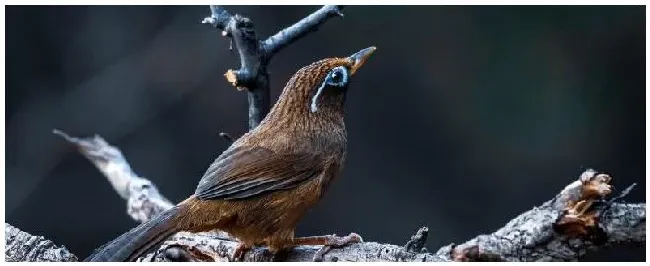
pixel 246 171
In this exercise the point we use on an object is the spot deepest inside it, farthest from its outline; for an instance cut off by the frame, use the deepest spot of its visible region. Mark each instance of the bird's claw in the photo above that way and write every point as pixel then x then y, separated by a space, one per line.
pixel 334 241
pixel 238 255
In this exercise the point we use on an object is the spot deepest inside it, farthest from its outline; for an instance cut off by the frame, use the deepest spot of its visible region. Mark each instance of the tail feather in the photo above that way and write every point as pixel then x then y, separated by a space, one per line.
pixel 137 241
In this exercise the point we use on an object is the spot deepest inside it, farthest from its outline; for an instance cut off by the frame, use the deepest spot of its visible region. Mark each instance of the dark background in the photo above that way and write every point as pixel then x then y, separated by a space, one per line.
pixel 464 118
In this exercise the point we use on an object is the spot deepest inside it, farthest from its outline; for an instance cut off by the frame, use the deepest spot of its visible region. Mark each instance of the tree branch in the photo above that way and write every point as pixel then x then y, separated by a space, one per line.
pixel 255 55
pixel 21 246
pixel 143 199
pixel 283 38
pixel 565 228
pixel 562 229
pixel 207 247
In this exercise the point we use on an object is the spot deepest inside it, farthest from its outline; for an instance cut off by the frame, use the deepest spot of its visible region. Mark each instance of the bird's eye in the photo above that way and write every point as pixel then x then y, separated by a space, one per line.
pixel 338 77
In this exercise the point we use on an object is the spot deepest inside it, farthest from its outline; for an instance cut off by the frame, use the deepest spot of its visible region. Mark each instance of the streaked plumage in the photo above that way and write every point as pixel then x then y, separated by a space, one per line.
pixel 258 189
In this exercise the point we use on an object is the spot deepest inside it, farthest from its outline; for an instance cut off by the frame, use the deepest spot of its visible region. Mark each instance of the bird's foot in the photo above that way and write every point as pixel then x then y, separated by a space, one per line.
pixel 238 255
pixel 328 242
pixel 182 253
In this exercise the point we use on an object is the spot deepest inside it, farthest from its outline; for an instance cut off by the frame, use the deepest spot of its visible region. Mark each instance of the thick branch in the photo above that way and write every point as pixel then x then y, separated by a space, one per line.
pixel 242 32
pixel 21 246
pixel 574 222
pixel 252 74
pixel 255 55
pixel 532 236
pixel 207 247
pixel 562 229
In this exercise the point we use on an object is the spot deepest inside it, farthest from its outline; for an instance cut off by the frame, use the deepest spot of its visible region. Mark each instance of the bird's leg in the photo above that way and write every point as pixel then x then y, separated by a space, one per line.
pixel 238 255
pixel 328 242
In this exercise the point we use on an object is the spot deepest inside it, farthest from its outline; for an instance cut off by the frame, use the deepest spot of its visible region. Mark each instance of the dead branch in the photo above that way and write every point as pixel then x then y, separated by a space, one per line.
pixel 21 246
pixel 143 199
pixel 206 247
pixel 255 54
pixel 565 228
pixel 575 221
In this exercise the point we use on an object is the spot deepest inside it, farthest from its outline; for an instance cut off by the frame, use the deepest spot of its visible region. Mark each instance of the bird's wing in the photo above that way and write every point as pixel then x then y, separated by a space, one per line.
pixel 246 171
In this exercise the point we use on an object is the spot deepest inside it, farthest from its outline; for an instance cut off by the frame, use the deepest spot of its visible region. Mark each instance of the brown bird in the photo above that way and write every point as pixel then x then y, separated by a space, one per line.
pixel 260 187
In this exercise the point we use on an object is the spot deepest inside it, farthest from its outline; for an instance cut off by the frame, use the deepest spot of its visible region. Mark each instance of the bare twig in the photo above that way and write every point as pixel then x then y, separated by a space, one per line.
pixel 255 55
pixel 227 137
pixel 283 38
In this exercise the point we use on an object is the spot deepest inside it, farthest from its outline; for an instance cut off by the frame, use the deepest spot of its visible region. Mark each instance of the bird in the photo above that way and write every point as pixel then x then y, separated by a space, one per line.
pixel 260 187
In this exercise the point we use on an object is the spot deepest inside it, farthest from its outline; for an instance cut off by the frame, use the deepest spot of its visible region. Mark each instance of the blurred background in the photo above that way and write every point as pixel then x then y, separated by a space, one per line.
pixel 464 118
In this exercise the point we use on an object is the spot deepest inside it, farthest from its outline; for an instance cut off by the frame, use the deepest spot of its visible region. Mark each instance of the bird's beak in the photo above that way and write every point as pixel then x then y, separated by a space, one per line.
pixel 360 57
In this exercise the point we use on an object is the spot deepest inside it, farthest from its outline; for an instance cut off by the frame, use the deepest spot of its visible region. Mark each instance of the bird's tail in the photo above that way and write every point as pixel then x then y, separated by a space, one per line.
pixel 136 242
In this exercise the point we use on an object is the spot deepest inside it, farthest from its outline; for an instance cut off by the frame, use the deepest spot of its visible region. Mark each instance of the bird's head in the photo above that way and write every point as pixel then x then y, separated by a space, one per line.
pixel 319 89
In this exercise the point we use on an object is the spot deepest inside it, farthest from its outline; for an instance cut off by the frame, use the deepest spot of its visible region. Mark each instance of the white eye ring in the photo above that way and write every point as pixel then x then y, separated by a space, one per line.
pixel 337 77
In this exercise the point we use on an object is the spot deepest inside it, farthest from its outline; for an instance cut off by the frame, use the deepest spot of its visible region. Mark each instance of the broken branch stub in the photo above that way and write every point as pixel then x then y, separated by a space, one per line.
pixel 562 229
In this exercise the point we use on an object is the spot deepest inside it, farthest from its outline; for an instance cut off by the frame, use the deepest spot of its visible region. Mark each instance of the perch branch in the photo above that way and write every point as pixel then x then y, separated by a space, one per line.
pixel 565 228
pixel 207 247
pixel 21 246
pixel 255 55
pixel 576 221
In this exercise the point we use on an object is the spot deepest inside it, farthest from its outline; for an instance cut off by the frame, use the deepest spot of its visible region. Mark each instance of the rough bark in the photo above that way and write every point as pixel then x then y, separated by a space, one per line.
pixel 21 246
pixel 565 228
pixel 207 247
pixel 577 220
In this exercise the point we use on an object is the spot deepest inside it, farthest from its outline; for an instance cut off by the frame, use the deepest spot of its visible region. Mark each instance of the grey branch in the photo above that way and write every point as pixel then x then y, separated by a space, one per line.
pixel 208 247
pixel 143 199
pixel 289 35
pixel 530 237
pixel 21 246
pixel 255 54
pixel 558 230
